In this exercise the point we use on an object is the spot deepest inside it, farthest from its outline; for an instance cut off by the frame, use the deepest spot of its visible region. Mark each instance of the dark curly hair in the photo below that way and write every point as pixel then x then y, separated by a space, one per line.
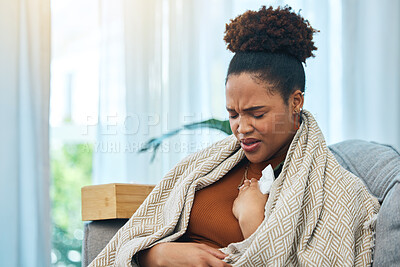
pixel 271 44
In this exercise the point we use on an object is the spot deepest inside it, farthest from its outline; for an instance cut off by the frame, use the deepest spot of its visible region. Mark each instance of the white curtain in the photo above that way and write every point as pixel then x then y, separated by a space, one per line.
pixel 175 63
pixel 24 111
pixel 353 84
pixel 371 70
pixel 174 75
pixel 110 145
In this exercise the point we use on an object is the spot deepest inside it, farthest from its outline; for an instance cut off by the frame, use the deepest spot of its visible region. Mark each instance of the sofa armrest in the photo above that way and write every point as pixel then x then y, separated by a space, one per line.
pixel 96 236
pixel 107 208
pixel 112 201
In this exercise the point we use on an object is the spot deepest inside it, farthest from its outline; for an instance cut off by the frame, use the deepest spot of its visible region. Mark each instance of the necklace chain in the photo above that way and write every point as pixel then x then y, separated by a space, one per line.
pixel 244 175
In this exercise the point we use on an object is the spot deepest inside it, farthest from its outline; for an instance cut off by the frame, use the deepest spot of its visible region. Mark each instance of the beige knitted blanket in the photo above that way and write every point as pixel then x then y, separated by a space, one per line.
pixel 317 214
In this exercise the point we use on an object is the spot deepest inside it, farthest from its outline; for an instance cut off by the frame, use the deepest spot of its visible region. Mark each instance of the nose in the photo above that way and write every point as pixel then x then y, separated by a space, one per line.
pixel 244 125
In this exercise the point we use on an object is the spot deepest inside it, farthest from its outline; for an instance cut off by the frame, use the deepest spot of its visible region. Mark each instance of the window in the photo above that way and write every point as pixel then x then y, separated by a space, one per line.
pixel 74 101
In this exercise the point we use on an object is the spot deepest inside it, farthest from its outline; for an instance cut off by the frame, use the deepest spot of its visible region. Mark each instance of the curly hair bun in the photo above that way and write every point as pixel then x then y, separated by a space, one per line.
pixel 271 30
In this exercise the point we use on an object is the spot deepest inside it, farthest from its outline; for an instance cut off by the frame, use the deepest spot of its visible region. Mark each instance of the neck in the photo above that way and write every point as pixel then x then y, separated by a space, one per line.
pixel 274 161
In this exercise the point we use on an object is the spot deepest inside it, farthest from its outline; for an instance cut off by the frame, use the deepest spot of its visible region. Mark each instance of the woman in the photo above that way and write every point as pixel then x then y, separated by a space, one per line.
pixel 209 210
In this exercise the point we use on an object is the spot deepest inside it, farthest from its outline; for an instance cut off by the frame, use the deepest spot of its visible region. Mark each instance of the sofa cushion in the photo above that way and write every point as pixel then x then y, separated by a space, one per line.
pixel 379 167
pixel 387 249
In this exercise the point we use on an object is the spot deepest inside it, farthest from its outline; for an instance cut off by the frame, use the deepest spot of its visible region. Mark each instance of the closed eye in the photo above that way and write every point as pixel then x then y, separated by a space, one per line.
pixel 258 116
pixel 233 116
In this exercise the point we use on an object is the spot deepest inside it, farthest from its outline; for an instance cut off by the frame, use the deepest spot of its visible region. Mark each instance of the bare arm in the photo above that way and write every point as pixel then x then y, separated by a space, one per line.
pixel 181 254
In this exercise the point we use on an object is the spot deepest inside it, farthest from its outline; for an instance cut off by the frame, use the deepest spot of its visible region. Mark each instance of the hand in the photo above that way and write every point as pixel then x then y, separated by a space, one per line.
pixel 181 254
pixel 249 207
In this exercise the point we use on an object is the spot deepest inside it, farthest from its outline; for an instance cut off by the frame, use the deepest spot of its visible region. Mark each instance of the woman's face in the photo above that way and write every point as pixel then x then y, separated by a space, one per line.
pixel 259 118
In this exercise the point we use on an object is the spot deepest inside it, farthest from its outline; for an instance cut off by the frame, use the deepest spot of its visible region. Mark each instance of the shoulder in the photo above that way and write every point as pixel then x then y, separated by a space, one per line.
pixel 190 162
pixel 229 143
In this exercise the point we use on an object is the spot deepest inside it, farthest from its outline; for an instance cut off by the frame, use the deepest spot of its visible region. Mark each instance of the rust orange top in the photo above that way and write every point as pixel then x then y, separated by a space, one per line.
pixel 211 219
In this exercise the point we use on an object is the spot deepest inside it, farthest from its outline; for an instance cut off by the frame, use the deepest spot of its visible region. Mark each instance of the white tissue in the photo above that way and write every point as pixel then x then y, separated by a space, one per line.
pixel 266 179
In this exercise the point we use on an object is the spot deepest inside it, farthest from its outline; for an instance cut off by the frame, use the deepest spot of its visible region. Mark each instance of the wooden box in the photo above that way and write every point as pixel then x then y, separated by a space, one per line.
pixel 112 201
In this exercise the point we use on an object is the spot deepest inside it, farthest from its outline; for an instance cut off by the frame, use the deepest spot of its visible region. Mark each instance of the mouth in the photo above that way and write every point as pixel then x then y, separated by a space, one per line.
pixel 250 144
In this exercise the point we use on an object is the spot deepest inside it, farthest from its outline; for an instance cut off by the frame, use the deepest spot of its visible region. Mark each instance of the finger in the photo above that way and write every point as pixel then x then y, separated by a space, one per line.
pixel 242 187
pixel 254 182
pixel 214 262
pixel 246 182
pixel 213 251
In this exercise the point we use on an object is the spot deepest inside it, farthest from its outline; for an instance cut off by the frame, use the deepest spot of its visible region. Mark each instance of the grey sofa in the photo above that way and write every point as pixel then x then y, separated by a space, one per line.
pixel 379 167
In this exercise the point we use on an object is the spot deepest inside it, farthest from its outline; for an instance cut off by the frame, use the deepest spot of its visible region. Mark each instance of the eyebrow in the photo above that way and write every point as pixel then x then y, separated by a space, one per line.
pixel 247 109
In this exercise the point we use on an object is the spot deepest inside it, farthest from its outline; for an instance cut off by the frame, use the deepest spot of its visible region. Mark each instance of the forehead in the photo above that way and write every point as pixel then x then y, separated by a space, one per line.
pixel 246 91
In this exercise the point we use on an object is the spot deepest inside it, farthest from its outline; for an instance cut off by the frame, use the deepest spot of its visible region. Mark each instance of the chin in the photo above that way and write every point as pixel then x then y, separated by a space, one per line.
pixel 254 158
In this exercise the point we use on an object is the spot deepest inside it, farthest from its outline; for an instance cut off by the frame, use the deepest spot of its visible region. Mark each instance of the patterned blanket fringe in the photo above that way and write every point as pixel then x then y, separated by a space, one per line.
pixel 371 223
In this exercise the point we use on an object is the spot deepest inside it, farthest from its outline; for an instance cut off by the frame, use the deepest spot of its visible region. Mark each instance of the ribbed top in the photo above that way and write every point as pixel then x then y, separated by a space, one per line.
pixel 211 219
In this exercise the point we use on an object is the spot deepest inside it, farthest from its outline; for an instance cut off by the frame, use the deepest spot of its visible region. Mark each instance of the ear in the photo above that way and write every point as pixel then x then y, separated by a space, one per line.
pixel 296 101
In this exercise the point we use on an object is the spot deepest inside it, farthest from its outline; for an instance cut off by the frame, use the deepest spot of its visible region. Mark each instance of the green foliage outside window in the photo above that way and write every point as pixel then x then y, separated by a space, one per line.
pixel 71 168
